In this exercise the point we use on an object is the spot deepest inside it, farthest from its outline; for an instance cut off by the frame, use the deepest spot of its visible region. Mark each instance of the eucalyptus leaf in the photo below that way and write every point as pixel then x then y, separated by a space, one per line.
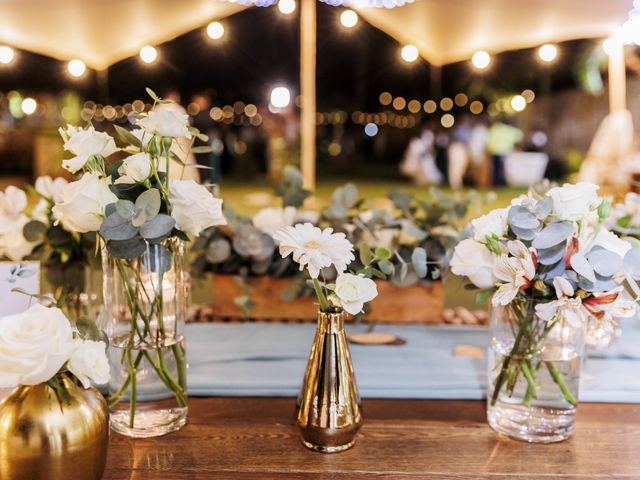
pixel 543 208
pixel 525 220
pixel 552 235
pixel 202 149
pixel 604 262
pixel 152 94
pixel 524 234
pixel 419 262
pixel 34 231
pixel 386 267
pixel 127 249
pixel 126 209
pixel 582 267
pixel 631 263
pixel 116 227
pixel 347 195
pixel 552 255
pixel 147 206
pixel 365 254
pixel 159 226
pixel 382 253
pixel 549 272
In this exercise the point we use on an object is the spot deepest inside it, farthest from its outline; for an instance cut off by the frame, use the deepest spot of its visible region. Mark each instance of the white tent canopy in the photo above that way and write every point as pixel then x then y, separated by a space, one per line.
pixel 446 31
pixel 102 32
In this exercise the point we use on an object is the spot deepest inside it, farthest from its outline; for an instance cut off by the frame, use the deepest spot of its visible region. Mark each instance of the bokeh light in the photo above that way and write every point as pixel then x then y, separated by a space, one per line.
pixel 399 103
pixel 215 30
pixel 476 107
pixel 447 120
pixel 518 103
pixel 371 129
pixel 409 53
pixel 430 106
pixel 548 53
pixel 148 54
pixel 6 54
pixel 280 97
pixel 481 59
pixel 287 6
pixel 385 98
pixel 446 104
pixel 76 68
pixel 29 105
pixel 349 19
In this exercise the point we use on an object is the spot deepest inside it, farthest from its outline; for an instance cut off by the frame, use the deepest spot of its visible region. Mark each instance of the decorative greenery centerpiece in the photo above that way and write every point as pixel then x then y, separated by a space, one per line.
pixel 329 415
pixel 548 263
pixel 142 215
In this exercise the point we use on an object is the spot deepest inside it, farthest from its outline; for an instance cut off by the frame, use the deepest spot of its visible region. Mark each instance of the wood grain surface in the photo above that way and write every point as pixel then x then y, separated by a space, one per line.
pixel 247 438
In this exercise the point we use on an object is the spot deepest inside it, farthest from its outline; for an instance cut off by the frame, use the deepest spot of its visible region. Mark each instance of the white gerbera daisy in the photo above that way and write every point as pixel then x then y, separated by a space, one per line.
pixel 314 248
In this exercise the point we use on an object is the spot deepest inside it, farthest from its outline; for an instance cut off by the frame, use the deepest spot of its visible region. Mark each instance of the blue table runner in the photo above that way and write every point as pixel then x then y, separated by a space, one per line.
pixel 261 359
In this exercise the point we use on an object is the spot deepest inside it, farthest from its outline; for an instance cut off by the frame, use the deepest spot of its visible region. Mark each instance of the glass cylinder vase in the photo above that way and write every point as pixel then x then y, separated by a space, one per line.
pixel 146 299
pixel 533 373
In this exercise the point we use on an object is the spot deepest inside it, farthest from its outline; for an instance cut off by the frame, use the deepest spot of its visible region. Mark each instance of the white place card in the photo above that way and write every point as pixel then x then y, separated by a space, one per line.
pixel 22 275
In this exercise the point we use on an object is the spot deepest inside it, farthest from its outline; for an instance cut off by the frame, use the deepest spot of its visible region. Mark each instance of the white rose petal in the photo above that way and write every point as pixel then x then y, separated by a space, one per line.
pixel 269 220
pixel 83 202
pixel 13 201
pixel 353 291
pixel 84 144
pixel 493 223
pixel 13 244
pixel 50 188
pixel 166 123
pixel 473 260
pixel 193 207
pixel 136 167
pixel 89 363
pixel 573 202
pixel 34 345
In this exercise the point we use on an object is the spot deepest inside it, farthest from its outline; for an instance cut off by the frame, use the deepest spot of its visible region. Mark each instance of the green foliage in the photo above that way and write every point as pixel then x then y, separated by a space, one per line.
pixel 291 189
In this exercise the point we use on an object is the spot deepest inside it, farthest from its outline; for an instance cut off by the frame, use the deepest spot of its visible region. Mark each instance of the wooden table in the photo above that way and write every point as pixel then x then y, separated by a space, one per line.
pixel 246 438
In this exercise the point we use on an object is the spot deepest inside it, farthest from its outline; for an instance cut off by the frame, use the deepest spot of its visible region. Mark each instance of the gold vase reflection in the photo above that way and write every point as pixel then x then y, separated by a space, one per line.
pixel 42 439
pixel 329 414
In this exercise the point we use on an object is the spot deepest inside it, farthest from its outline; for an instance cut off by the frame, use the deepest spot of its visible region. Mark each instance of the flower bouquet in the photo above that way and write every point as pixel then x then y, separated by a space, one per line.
pixel 329 414
pixel 143 216
pixel 548 263
pixel 52 367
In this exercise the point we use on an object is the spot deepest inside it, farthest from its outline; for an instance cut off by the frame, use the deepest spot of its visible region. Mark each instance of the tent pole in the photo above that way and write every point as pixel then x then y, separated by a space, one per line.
pixel 308 92
pixel 617 78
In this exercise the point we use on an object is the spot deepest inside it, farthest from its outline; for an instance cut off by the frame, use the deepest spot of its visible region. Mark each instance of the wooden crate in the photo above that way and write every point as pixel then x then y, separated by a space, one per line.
pixel 417 304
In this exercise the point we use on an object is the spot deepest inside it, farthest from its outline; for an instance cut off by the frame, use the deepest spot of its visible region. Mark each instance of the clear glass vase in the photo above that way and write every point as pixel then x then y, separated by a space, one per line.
pixel 533 374
pixel 146 301
pixel 75 286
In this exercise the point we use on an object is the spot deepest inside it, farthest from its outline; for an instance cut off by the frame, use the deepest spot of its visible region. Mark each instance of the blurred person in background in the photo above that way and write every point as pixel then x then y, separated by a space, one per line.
pixel 419 162
pixel 501 141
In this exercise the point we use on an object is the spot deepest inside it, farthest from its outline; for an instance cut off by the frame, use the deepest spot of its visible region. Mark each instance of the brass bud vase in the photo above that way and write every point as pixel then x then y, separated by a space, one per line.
pixel 42 439
pixel 329 414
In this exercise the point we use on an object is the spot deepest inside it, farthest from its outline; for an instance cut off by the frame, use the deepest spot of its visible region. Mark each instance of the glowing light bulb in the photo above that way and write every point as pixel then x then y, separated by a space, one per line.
pixel 215 30
pixel 280 97
pixel 29 105
pixel 148 54
pixel 76 68
pixel 349 19
pixel 371 129
pixel 409 53
pixel 481 59
pixel 518 103
pixel 6 54
pixel 548 53
pixel 287 6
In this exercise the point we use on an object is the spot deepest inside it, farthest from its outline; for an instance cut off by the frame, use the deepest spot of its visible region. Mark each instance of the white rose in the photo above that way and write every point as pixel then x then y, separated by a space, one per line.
pixel 142 135
pixel 83 202
pixel 166 123
pixel 13 201
pixel 34 345
pixel 493 223
pixel 380 237
pixel 307 216
pixel 353 291
pixel 89 362
pixel 610 241
pixel 50 188
pixel 574 202
pixel 13 244
pixel 269 220
pixel 193 207
pixel 135 168
pixel 473 260
pixel 83 144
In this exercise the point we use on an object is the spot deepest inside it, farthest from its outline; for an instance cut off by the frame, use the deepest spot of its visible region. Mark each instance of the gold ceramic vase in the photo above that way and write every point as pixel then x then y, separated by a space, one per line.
pixel 42 439
pixel 329 414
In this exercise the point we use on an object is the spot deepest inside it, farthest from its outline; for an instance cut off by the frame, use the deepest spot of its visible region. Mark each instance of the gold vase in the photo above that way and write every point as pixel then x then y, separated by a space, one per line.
pixel 42 439
pixel 329 414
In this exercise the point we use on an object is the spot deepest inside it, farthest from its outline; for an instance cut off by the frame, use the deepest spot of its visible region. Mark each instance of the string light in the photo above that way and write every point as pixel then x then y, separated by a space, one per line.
pixel 6 54
pixel 409 53
pixel 371 129
pixel 148 54
pixel 481 59
pixel 215 30
pixel 385 98
pixel 76 68
pixel 518 103
pixel 447 120
pixel 349 19
pixel 430 106
pixel 29 106
pixel 414 106
pixel 287 6
pixel 547 53
pixel 280 96
pixel 461 99
pixel 399 103
pixel 446 104
pixel 528 95
pixel 476 107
